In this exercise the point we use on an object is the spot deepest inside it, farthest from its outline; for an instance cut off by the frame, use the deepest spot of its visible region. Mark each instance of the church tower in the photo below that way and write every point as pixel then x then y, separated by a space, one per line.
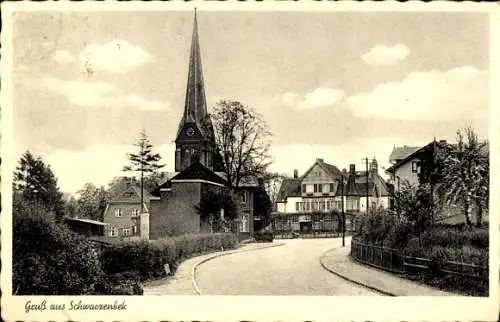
pixel 195 135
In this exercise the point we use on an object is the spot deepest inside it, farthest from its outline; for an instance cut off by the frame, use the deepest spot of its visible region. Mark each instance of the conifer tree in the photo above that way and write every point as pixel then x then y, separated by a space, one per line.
pixel 144 161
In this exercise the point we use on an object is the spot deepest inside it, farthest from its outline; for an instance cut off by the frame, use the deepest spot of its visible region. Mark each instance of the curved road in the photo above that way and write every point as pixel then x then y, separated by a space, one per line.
pixel 292 269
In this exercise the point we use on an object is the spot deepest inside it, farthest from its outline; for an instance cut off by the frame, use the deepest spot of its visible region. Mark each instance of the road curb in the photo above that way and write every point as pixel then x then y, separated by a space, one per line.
pixel 229 252
pixel 376 289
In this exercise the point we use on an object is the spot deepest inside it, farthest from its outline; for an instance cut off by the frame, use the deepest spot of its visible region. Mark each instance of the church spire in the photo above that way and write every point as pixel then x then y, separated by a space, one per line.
pixel 195 108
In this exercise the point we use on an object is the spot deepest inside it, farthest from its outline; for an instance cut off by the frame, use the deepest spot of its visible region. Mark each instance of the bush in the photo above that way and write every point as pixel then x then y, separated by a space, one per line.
pixel 264 237
pixel 49 259
pixel 147 260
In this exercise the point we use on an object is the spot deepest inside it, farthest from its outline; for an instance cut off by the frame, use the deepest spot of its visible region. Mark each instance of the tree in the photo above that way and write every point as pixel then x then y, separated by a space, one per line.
pixel 243 141
pixel 272 184
pixel 35 184
pixel 49 259
pixel 144 161
pixel 413 206
pixel 92 202
pixel 211 204
pixel 71 207
pixel 466 174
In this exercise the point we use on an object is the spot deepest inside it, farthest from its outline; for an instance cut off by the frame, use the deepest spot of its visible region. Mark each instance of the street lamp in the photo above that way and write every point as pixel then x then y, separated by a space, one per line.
pixel 342 206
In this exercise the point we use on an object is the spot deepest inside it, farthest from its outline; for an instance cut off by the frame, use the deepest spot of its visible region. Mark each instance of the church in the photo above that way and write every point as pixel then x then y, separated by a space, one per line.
pixel 198 166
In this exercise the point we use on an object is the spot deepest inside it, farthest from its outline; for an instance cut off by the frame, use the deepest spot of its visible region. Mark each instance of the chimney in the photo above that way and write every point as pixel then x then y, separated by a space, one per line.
pixel 352 169
pixel 442 141
pixel 295 173
pixel 344 170
pixel 319 160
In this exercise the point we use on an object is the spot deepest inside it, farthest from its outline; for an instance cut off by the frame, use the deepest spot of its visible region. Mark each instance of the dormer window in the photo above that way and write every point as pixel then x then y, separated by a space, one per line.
pixel 135 213
pixel 118 212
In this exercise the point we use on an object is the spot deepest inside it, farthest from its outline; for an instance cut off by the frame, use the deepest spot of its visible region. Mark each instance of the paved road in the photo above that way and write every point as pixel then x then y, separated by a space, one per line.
pixel 292 269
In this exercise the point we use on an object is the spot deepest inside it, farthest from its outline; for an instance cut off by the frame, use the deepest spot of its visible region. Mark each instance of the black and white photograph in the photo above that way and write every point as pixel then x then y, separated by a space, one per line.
pixel 275 153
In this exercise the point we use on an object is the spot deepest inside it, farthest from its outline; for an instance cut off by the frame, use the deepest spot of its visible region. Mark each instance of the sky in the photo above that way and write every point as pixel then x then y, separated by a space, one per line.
pixel 334 85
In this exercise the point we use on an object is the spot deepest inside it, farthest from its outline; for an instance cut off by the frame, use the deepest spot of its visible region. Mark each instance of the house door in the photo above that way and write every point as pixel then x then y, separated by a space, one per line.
pixel 306 227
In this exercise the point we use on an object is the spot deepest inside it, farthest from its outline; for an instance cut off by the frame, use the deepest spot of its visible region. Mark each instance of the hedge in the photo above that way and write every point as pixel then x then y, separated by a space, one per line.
pixel 50 259
pixel 457 237
pixel 147 259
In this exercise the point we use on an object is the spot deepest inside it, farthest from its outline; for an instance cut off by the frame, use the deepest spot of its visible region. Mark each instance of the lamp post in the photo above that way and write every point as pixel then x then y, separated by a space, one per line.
pixel 342 209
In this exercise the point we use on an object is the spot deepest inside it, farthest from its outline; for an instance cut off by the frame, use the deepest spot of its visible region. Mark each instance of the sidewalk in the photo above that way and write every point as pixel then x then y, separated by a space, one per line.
pixel 182 283
pixel 338 262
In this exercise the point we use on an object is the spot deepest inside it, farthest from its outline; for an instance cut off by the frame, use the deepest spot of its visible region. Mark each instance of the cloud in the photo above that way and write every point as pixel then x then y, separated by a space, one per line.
pixel 97 164
pixel 385 56
pixel 83 93
pixel 320 97
pixel 116 56
pixel 457 94
pixel 63 56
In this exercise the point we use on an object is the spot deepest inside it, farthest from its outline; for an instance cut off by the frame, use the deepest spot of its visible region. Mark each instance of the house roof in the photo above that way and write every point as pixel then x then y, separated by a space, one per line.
pixel 400 153
pixel 428 147
pixel 290 187
pixel 356 185
pixel 87 221
pixel 330 168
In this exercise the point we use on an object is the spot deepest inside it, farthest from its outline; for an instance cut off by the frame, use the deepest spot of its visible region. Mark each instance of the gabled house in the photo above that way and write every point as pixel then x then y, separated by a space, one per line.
pixel 319 189
pixel 323 188
pixel 409 163
pixel 412 165
pixel 123 213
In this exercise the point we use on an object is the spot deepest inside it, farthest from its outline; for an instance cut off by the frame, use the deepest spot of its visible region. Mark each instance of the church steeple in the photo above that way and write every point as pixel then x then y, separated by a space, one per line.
pixel 195 107
pixel 195 132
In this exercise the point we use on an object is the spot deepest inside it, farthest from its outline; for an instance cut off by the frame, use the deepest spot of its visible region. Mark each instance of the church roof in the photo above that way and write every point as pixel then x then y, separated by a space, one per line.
pixel 195 171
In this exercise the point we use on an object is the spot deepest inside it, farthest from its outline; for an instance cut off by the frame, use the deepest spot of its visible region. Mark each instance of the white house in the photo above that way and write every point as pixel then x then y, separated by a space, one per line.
pixel 322 188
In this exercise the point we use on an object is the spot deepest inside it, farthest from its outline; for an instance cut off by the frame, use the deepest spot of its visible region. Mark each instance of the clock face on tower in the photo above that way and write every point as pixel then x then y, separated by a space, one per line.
pixel 189 131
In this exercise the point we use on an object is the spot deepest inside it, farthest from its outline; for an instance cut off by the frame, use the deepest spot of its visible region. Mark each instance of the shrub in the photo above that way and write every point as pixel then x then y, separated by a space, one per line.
pixel 263 236
pixel 49 259
pixel 456 237
pixel 147 260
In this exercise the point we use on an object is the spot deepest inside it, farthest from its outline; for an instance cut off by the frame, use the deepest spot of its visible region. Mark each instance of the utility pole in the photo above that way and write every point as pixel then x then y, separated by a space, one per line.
pixel 367 186
pixel 342 205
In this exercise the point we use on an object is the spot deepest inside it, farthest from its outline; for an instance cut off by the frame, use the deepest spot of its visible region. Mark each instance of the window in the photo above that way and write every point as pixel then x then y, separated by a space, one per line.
pixel 135 213
pixel 331 187
pixel 134 230
pixel 338 204
pixel 127 232
pixel 352 204
pixel 414 166
pixel 320 188
pixel 304 188
pixel 113 232
pixel 297 206
pixel 244 197
pixel 118 212
pixel 315 188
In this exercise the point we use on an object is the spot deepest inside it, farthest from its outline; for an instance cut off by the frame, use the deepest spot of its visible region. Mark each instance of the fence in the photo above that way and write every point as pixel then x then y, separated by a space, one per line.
pixel 310 225
pixel 395 260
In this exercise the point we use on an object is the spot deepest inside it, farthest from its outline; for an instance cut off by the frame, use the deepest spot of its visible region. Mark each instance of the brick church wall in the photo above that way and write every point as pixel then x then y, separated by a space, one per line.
pixel 175 213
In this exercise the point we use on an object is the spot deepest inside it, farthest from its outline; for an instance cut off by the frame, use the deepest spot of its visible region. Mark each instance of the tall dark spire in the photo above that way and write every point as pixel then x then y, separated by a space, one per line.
pixel 195 136
pixel 195 108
